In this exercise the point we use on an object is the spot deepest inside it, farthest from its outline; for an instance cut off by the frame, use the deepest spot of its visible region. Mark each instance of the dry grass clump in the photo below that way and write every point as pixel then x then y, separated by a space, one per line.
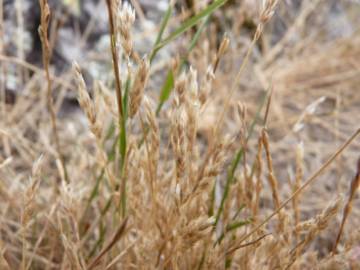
pixel 193 180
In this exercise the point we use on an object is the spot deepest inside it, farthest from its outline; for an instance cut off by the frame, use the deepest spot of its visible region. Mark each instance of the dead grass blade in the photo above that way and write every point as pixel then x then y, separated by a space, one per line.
pixel 117 236
pixel 355 183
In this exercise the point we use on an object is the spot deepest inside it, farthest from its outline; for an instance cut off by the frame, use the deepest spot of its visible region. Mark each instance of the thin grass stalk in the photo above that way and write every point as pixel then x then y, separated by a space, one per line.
pixel 120 103
pixel 43 32
pixel 163 25
pixel 266 14
pixel 298 179
pixel 125 17
pixel 355 183
pixel 258 184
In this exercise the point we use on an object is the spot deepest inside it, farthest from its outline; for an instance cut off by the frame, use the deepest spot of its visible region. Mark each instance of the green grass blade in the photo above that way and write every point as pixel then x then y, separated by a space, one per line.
pixel 197 35
pixel 202 260
pixel 191 22
pixel 165 90
pixel 237 159
pixel 111 153
pixel 212 200
pixel 99 242
pixel 224 196
pixel 228 262
pixel 122 140
pixel 95 190
pixel 237 224
pixel 239 211
pixel 110 132
pixel 123 124
pixel 123 145
pixel 163 25
pixel 122 167
pixel 232 226
pixel 107 207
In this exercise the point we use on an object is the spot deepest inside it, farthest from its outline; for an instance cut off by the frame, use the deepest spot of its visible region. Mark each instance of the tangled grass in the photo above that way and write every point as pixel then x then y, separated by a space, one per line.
pixel 194 180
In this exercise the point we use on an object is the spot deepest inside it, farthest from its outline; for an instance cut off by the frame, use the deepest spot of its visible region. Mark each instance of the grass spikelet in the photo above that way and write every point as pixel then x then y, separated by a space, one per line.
pixel 273 182
pixel 309 110
pixel 153 145
pixel 86 103
pixel 268 10
pixel 224 45
pixel 207 85
pixel 180 88
pixel 137 90
pixel 179 140
pixel 192 109
pixel 92 110
pixel 125 17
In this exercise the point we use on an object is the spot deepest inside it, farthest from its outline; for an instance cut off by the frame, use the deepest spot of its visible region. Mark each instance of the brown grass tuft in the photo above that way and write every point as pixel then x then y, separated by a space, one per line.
pixel 173 161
